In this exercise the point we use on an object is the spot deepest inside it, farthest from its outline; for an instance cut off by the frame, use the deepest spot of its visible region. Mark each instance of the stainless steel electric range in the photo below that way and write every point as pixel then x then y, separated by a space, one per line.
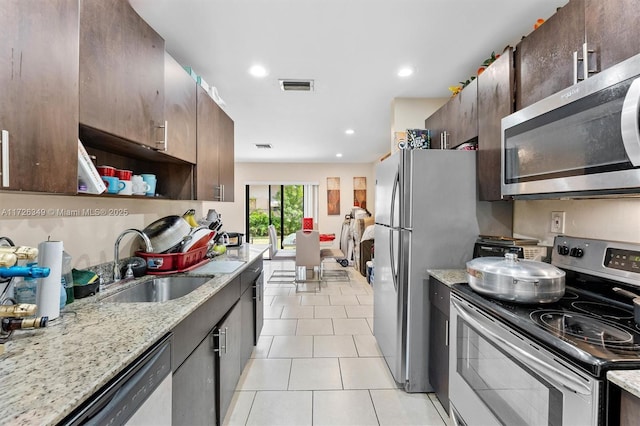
pixel 514 364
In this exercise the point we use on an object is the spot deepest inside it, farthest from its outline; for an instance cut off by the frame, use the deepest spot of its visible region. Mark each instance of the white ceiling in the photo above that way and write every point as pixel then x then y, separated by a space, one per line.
pixel 352 49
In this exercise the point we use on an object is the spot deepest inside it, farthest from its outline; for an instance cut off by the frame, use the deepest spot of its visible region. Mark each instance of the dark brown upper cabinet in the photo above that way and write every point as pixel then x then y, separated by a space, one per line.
pixel 495 101
pixel 215 147
pixel 551 58
pixel 39 90
pixel 456 122
pixel 180 105
pixel 121 73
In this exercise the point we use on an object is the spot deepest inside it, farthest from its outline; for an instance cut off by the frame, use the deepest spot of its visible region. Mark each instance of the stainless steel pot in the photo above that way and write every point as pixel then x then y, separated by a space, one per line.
pixel 516 280
pixel 167 233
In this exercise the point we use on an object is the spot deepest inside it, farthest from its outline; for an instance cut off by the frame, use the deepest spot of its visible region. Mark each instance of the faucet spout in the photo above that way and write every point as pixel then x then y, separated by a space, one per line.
pixel 116 249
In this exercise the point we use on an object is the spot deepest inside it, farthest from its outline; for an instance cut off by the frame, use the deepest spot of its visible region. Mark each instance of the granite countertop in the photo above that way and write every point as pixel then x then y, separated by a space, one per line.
pixel 628 380
pixel 449 276
pixel 46 373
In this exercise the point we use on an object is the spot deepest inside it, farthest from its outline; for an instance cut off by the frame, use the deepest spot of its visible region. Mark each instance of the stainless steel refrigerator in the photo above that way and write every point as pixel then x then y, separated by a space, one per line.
pixel 425 209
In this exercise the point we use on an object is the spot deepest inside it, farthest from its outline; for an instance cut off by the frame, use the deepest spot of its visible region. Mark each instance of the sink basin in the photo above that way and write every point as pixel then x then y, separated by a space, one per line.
pixel 158 289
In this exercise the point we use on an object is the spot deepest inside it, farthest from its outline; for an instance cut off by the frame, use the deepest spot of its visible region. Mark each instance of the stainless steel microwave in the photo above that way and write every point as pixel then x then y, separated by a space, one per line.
pixel 581 141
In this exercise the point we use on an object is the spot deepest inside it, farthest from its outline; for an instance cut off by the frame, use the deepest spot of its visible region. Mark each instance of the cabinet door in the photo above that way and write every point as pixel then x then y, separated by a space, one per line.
pixel 229 333
pixel 258 296
pixel 207 183
pixel 436 123
pixel 439 340
pixel 544 59
pixel 39 89
pixel 179 111
pixel 495 101
pixel 226 161
pixel 121 72
pixel 462 116
pixel 247 327
pixel 612 30
pixel 194 392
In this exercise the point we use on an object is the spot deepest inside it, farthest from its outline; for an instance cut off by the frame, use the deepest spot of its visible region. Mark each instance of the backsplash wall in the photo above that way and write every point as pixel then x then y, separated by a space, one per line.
pixel 609 219
pixel 87 225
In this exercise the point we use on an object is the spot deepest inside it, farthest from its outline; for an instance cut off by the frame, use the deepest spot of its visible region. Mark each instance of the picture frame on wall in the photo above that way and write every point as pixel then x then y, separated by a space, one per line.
pixel 360 192
pixel 333 196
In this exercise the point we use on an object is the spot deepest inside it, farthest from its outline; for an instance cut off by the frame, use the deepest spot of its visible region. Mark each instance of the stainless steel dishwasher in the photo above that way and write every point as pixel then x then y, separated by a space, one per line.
pixel 139 395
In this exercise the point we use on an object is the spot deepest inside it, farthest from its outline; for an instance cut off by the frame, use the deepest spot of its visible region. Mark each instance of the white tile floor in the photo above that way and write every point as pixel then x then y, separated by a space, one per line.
pixel 318 363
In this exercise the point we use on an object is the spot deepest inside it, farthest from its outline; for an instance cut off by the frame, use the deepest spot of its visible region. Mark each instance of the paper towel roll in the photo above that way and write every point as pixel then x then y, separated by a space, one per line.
pixel 48 291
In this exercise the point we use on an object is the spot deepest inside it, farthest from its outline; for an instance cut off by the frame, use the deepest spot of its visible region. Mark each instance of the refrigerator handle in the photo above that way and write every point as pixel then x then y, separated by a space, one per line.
pixel 394 194
pixel 392 257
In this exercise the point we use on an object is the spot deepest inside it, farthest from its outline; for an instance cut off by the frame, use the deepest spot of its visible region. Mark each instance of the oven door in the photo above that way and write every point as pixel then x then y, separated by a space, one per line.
pixel 584 139
pixel 499 377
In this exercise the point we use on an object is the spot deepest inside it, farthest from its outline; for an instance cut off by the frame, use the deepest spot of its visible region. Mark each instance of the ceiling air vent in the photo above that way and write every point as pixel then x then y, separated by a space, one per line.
pixel 263 146
pixel 296 85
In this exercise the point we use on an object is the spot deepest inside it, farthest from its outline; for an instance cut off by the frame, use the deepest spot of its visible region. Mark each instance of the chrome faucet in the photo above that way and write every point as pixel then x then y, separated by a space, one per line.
pixel 116 249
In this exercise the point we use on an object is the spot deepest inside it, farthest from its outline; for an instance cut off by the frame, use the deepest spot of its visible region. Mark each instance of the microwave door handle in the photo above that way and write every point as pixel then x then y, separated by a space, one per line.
pixel 629 126
pixel 549 372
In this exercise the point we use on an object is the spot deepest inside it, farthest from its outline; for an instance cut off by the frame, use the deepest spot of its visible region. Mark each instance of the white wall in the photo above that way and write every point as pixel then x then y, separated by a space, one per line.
pixel 233 214
pixel 410 113
pixel 609 219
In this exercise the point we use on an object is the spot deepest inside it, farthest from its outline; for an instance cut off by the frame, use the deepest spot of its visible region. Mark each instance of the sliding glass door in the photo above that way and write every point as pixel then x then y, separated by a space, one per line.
pixel 279 205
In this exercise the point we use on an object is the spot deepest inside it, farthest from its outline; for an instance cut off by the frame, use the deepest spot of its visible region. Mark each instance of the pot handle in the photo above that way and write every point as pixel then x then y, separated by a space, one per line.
pixel 625 292
pixel 534 282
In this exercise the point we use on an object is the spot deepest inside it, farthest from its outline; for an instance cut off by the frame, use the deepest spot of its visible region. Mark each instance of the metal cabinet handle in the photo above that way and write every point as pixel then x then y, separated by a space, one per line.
pixel 164 144
pixel 220 196
pixel 5 158
pixel 586 70
pixel 221 347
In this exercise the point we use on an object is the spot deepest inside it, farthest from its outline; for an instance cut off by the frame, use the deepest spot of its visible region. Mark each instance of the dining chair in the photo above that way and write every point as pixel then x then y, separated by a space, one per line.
pixel 308 260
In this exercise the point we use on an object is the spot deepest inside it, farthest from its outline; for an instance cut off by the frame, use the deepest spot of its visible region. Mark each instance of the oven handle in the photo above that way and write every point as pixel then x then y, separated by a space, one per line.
pixel 629 125
pixel 549 372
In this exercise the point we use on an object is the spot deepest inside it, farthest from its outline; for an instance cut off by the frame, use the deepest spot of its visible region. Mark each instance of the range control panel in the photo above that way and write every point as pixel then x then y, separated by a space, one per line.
pixel 625 260
pixel 607 259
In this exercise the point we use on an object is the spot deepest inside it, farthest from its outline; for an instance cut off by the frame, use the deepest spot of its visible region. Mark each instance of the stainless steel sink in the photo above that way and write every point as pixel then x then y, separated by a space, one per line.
pixel 160 289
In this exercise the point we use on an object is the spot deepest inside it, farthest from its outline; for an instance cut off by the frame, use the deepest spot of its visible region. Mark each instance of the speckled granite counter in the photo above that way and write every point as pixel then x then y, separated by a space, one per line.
pixel 46 373
pixel 628 380
pixel 449 276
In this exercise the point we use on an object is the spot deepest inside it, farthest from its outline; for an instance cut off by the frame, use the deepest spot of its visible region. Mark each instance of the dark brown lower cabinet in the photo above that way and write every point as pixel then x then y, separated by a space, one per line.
pixel 439 340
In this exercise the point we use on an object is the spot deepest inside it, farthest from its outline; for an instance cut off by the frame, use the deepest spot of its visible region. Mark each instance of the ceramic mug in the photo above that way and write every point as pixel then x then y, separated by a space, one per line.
pixel 151 181
pixel 138 185
pixel 114 185
pixel 128 188
pixel 106 170
pixel 123 174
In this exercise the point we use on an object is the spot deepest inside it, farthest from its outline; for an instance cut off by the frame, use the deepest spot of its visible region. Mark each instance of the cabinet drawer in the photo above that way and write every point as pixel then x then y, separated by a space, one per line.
pixel 250 274
pixel 193 329
pixel 439 295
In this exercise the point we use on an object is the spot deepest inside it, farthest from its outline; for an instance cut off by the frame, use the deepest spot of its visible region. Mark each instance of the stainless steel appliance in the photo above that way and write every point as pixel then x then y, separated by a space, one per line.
pixel 425 218
pixel 581 141
pixel 546 364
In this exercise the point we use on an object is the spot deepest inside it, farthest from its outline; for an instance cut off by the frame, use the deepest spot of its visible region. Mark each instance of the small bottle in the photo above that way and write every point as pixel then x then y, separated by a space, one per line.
pixel 10 324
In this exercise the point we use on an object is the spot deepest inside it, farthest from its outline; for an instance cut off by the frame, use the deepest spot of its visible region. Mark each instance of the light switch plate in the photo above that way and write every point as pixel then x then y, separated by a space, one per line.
pixel 557 222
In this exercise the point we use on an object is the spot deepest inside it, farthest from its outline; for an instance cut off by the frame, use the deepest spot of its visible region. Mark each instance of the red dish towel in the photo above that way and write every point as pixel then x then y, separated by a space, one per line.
pixel 327 237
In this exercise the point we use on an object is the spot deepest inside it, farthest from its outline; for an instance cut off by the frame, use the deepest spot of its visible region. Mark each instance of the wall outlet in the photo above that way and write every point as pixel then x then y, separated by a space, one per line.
pixel 557 222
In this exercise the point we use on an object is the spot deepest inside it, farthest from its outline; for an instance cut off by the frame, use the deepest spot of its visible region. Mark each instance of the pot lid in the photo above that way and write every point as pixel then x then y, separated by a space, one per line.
pixel 511 266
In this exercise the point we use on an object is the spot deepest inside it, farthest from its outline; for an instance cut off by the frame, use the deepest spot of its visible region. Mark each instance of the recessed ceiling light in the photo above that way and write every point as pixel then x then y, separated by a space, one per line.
pixel 258 71
pixel 405 72
pixel 338 155
pixel 349 131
